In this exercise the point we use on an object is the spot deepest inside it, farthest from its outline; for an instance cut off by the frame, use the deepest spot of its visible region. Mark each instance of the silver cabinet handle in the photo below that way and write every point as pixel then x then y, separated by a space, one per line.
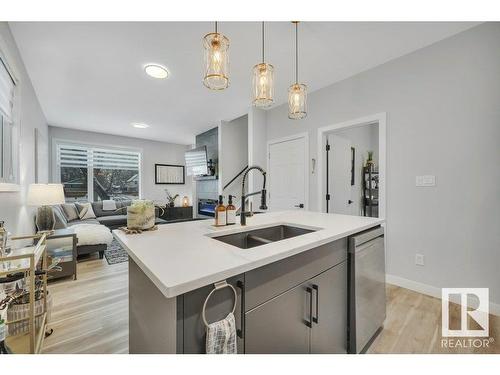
pixel 316 318
pixel 309 322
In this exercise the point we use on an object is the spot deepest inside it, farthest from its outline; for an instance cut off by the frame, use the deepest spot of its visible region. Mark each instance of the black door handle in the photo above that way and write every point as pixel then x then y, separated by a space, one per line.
pixel 300 205
pixel 309 322
pixel 316 318
pixel 350 201
pixel 241 332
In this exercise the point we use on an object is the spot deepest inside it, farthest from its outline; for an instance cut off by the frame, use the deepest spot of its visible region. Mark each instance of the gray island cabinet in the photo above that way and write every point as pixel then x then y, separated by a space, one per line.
pixel 293 273
pixel 295 305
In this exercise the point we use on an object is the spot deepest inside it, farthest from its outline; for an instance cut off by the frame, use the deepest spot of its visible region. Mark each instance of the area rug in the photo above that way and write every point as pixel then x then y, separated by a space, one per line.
pixel 115 253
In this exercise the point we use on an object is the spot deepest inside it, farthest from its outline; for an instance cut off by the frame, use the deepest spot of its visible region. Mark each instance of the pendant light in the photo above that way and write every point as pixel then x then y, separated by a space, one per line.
pixel 297 93
pixel 216 48
pixel 263 80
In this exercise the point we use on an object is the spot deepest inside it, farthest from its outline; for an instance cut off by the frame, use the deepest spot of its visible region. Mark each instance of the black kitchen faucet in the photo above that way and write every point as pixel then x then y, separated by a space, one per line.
pixel 263 206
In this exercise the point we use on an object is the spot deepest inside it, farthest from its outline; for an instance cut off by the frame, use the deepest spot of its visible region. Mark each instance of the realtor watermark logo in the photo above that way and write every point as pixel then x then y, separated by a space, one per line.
pixel 472 329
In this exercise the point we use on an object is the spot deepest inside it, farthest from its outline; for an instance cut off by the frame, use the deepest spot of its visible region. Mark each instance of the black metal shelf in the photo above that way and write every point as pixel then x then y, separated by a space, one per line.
pixel 370 201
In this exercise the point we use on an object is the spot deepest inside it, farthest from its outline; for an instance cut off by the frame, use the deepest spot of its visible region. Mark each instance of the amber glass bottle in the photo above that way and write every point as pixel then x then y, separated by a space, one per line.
pixel 220 213
pixel 230 211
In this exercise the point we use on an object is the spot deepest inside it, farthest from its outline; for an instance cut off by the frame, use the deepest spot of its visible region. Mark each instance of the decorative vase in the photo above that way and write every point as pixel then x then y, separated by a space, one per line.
pixel 171 204
pixel 141 215
pixel 45 219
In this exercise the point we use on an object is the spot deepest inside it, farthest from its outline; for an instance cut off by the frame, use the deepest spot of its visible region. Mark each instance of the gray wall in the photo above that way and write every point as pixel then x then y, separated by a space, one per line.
pixel 17 216
pixel 152 152
pixel 208 189
pixel 443 118
pixel 257 150
pixel 233 155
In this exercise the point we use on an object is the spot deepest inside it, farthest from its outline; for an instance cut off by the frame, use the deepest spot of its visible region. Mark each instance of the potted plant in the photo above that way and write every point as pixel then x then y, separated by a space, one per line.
pixel 369 161
pixel 171 199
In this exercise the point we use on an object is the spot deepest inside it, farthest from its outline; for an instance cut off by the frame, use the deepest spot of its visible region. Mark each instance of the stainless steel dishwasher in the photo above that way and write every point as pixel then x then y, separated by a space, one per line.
pixel 366 288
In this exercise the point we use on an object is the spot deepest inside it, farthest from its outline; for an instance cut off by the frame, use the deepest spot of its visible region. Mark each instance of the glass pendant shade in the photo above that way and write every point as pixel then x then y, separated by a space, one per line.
pixel 297 100
pixel 263 85
pixel 216 48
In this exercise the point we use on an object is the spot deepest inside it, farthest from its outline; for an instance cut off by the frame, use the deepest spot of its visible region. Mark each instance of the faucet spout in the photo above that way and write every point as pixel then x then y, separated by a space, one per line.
pixel 263 193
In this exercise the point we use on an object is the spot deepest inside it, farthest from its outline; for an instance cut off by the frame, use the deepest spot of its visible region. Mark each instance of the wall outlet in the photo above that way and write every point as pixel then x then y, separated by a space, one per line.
pixel 427 180
pixel 419 259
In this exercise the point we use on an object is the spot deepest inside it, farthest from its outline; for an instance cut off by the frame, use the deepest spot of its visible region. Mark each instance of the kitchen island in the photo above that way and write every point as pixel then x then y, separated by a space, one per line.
pixel 172 270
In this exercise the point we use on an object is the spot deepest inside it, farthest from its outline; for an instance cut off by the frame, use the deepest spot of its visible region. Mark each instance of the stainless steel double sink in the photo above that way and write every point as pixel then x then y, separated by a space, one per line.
pixel 262 236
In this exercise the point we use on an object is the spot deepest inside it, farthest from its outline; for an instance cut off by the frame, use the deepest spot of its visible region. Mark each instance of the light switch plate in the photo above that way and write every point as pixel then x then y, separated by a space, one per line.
pixel 426 180
pixel 419 259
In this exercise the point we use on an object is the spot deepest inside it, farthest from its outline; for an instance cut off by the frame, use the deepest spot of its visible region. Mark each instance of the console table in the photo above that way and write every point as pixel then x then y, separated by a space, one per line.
pixel 177 213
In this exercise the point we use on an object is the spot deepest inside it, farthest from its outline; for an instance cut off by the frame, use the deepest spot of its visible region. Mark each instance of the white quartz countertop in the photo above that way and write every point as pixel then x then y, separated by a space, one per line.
pixel 181 257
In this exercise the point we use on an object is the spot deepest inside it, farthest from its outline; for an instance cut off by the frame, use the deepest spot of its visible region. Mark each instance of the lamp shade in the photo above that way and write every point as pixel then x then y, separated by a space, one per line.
pixel 45 194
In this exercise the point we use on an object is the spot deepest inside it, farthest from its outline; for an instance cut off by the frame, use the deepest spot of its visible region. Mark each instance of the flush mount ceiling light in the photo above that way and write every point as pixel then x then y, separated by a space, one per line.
pixel 156 71
pixel 139 125
pixel 216 48
pixel 297 93
pixel 263 81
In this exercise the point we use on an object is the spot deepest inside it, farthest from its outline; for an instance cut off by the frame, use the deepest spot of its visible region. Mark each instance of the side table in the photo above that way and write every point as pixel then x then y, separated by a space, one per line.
pixel 62 244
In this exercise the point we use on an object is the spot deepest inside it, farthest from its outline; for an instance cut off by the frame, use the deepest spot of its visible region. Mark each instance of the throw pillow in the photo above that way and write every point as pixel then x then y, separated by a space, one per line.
pixel 69 210
pixel 108 205
pixel 60 218
pixel 85 211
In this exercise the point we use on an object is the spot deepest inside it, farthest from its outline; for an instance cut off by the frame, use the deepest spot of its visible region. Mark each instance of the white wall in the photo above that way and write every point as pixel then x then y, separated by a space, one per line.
pixel 233 154
pixel 18 217
pixel 443 118
pixel 152 152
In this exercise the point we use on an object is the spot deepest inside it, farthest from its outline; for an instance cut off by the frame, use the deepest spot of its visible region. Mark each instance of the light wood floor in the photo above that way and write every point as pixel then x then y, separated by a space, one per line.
pixel 90 315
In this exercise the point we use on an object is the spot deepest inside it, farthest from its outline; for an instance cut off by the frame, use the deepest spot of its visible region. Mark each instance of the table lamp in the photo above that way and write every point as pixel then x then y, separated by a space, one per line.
pixel 44 196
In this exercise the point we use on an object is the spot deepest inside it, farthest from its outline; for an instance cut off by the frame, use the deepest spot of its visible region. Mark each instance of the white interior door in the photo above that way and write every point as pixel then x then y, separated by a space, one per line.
pixel 339 175
pixel 287 175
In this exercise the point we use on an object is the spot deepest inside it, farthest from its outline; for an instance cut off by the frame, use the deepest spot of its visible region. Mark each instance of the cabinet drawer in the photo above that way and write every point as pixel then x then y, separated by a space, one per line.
pixel 266 282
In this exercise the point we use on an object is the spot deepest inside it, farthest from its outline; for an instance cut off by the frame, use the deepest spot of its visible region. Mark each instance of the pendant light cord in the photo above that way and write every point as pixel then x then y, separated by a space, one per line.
pixel 216 27
pixel 296 52
pixel 263 43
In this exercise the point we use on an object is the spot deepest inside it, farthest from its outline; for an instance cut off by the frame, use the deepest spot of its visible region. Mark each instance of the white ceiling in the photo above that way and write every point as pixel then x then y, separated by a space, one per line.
pixel 90 75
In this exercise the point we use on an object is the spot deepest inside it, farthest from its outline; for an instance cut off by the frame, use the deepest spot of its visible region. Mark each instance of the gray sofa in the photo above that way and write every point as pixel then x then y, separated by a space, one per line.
pixel 112 219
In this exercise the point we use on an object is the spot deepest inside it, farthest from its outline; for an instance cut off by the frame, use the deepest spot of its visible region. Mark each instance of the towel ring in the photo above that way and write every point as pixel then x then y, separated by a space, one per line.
pixel 217 286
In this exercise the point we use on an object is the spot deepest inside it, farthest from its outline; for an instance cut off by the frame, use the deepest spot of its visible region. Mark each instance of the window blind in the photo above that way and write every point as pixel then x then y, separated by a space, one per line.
pixel 81 156
pixel 72 156
pixel 113 159
pixel 7 86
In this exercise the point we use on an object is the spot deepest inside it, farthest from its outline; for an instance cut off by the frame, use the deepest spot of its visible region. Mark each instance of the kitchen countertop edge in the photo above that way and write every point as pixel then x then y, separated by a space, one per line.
pixel 171 291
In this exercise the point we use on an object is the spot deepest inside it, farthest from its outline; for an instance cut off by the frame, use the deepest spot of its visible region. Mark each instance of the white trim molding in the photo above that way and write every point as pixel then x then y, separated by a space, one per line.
pixel 304 135
pixel 381 120
pixel 428 290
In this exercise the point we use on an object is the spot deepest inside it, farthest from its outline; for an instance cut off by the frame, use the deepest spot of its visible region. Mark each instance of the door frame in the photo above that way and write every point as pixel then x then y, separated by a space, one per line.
pixel 378 118
pixel 304 135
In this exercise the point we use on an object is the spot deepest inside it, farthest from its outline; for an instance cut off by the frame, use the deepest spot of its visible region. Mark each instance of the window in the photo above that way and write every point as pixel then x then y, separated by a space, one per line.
pixel 95 174
pixel 7 87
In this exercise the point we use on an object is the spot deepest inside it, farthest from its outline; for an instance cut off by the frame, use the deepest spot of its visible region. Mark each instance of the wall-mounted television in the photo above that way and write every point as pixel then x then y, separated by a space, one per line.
pixel 197 161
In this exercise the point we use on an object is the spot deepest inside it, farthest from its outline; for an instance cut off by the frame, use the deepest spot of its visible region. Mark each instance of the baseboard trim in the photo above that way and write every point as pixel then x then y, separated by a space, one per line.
pixel 428 290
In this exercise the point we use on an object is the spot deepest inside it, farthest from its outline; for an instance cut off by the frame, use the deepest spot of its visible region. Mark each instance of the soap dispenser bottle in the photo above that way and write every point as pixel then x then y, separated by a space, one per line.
pixel 220 213
pixel 230 211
